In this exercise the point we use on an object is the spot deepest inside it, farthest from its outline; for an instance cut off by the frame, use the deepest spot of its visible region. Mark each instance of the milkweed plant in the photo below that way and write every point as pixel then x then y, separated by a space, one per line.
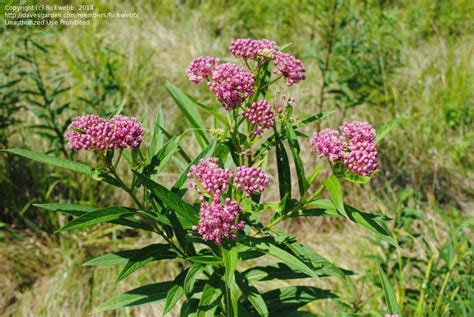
pixel 228 224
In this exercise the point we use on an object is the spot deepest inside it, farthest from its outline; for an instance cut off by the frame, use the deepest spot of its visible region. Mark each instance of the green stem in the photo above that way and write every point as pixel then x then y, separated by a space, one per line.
pixel 296 208
pixel 445 283
pixel 421 299
pixel 130 192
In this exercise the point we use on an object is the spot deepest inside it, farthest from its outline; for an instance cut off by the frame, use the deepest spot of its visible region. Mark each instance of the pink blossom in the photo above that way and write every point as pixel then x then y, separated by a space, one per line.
pixel 91 132
pixel 354 147
pixel 218 221
pixel 251 180
pixel 290 67
pixel 361 158
pixel 213 179
pixel 328 143
pixel 231 84
pixel 358 131
pixel 260 114
pixel 201 68
pixel 249 48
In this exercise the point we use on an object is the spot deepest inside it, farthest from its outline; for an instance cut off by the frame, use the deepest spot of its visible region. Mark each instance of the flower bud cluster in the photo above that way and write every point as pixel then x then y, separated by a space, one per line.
pixel 218 219
pixel 328 143
pixel 213 179
pixel 251 180
pixel 354 146
pixel 290 67
pixel 201 68
pixel 260 114
pixel 91 132
pixel 251 49
pixel 231 84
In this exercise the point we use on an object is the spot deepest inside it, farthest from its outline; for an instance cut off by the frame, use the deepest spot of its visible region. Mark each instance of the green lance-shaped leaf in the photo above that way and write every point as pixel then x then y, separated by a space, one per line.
pixel 252 294
pixel 211 296
pixel 80 210
pixel 206 259
pixel 185 212
pixel 389 294
pixel 231 257
pixel 357 179
pixel 334 188
pixel 295 150
pixel 185 104
pixel 110 259
pixel 157 138
pixel 288 299
pixel 139 296
pixel 158 161
pixel 385 130
pixel 142 257
pixel 54 161
pixel 216 114
pixel 175 292
pixel 283 165
pixel 191 277
pixel 274 271
pixel 269 246
pixel 372 222
pixel 180 186
pixel 65 164
pixel 68 208
pixel 189 307
pixel 313 118
pixel 319 264
pixel 96 217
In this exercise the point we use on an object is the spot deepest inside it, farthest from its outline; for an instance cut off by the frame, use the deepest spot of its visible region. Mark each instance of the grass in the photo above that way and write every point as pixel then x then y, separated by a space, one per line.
pixel 425 79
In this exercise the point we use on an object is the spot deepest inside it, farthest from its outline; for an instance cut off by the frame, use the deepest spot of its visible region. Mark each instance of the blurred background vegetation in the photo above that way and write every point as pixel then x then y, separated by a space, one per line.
pixel 368 60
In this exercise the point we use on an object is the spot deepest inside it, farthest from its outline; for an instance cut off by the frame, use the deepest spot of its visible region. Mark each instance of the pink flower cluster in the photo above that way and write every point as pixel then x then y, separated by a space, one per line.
pixel 251 49
pixel 358 131
pixel 201 68
pixel 260 114
pixel 91 132
pixel 218 221
pixel 231 84
pixel 251 180
pixel 219 218
pixel 354 146
pixel 213 179
pixel 290 67
pixel 328 143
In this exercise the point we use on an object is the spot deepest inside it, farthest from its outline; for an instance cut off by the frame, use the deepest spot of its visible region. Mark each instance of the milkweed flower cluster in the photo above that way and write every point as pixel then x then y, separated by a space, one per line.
pixel 213 179
pixel 201 68
pixel 290 67
pixel 252 49
pixel 251 180
pixel 353 145
pixel 91 132
pixel 218 219
pixel 260 114
pixel 231 84
pixel 328 143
